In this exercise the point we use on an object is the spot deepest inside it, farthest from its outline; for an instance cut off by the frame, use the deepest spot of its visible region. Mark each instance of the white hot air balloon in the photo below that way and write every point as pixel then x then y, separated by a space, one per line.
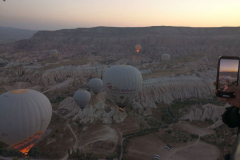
pixel 95 85
pixel 166 57
pixel 53 53
pixel 24 116
pixel 82 98
pixel 122 83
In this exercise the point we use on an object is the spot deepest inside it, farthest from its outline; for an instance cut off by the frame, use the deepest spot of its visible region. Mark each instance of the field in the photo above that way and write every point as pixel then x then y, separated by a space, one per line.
pixel 96 138
pixel 145 147
pixel 223 138
pixel 129 125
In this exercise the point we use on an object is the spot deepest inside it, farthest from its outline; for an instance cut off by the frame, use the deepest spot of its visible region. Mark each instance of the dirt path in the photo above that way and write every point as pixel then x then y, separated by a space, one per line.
pixel 145 147
pixel 197 150
pixel 121 149
pixel 188 152
pixel 106 133
pixel 183 125
pixel 75 136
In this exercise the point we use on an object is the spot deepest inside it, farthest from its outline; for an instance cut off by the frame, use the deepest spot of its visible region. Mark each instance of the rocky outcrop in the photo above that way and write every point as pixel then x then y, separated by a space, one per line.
pixel 155 41
pixel 145 71
pixel 97 110
pixel 167 89
pixel 206 112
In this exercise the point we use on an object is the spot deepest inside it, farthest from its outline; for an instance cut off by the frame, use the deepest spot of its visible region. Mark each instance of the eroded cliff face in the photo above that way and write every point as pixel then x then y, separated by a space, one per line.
pixel 206 112
pixel 161 90
pixel 155 41
pixel 97 110
pixel 189 73
pixel 167 89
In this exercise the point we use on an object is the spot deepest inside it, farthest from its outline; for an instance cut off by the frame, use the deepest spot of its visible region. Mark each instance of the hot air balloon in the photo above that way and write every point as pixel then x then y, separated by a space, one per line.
pixel 53 53
pixel 24 116
pixel 95 85
pixel 122 83
pixel 82 98
pixel 166 57
pixel 138 47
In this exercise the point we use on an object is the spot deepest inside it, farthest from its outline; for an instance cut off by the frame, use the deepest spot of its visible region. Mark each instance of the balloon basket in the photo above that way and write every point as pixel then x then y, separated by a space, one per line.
pixel 121 109
pixel 25 156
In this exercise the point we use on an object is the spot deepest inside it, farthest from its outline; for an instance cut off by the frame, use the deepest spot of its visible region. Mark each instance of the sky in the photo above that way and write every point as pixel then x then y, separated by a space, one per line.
pixel 67 14
pixel 229 65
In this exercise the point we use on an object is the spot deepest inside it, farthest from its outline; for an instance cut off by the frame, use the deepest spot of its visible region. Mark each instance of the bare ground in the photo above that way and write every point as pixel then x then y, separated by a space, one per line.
pixel 145 147
pixel 183 125
pixel 127 126
pixel 99 139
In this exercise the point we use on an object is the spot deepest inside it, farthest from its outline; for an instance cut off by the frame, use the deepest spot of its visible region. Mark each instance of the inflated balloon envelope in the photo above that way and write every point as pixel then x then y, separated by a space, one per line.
pixel 165 57
pixel 24 116
pixel 122 83
pixel 53 53
pixel 95 85
pixel 82 98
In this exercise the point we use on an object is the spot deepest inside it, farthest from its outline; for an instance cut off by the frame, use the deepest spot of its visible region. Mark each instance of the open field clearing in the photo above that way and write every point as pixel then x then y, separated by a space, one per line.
pixel 127 126
pixel 98 138
pixel 183 125
pixel 145 147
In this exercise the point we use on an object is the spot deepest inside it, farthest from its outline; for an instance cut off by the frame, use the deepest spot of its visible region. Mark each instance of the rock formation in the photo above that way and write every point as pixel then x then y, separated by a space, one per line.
pixel 167 89
pixel 97 110
pixel 206 112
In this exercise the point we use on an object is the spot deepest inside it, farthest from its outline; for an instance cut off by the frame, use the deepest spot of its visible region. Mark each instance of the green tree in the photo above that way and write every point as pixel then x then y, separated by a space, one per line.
pixel 69 154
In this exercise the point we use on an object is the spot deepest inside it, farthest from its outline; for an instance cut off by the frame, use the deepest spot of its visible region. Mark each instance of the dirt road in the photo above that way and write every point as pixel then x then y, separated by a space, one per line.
pixel 75 136
pixel 146 147
pixel 197 150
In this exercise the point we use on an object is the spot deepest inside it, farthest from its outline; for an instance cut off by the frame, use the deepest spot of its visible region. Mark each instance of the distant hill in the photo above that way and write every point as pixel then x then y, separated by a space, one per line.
pixel 114 41
pixel 8 34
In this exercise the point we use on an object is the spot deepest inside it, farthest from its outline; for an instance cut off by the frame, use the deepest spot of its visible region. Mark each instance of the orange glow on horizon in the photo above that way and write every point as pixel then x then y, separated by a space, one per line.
pixel 60 14
pixel 229 70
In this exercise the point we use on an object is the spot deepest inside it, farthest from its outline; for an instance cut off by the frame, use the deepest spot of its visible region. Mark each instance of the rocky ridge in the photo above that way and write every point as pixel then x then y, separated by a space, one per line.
pixel 113 41
pixel 167 89
pixel 97 110
pixel 206 112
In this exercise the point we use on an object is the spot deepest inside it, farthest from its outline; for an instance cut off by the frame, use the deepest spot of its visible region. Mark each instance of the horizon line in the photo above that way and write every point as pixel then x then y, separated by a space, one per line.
pixel 121 27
